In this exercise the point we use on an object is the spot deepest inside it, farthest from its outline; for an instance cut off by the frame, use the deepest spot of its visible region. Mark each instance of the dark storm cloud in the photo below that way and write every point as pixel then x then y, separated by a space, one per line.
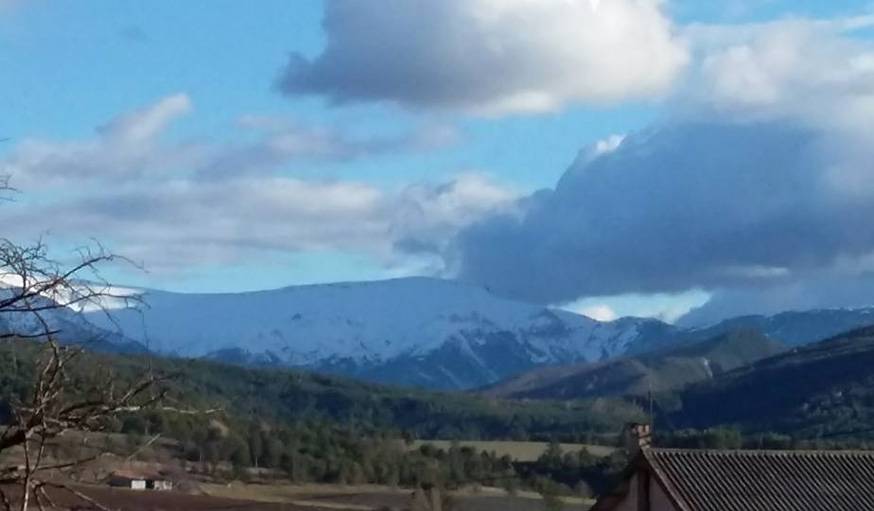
pixel 708 205
pixel 757 187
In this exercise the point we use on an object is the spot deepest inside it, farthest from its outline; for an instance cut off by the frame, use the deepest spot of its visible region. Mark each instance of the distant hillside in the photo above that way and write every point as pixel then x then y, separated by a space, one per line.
pixel 826 388
pixel 666 369
pixel 795 328
pixel 415 332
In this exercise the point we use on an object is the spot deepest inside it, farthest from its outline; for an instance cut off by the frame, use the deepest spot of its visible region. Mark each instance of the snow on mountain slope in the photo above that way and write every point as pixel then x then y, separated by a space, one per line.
pixel 418 331
pixel 414 331
pixel 66 325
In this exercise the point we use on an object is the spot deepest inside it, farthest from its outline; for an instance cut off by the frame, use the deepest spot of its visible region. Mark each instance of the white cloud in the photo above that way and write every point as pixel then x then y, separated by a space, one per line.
pixel 173 205
pixel 188 222
pixel 816 74
pixel 599 312
pixel 492 56
pixel 145 124
pixel 132 146
pixel 125 148
pixel 663 306
pixel 813 71
pixel 281 141
pixel 425 216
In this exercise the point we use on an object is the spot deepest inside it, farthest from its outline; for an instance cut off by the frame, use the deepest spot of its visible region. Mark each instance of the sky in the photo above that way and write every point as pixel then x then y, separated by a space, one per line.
pixel 680 159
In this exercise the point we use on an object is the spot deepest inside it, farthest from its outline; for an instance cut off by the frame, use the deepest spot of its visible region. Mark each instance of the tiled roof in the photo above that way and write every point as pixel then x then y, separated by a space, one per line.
pixel 705 480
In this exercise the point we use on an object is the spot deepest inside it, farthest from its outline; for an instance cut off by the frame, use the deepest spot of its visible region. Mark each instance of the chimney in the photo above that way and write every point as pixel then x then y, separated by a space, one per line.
pixel 637 438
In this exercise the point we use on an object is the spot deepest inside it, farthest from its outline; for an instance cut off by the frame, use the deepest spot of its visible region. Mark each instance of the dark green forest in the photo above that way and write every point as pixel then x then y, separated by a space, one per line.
pixel 820 394
pixel 312 428
pixel 281 396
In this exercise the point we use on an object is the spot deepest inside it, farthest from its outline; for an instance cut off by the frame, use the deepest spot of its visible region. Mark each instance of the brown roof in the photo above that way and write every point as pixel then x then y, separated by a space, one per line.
pixel 710 480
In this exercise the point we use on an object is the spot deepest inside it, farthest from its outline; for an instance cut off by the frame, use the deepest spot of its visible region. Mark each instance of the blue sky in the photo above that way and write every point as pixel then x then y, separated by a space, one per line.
pixel 372 146
pixel 78 64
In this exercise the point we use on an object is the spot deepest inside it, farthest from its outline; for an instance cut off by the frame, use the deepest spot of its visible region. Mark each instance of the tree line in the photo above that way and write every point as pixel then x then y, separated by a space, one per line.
pixel 315 452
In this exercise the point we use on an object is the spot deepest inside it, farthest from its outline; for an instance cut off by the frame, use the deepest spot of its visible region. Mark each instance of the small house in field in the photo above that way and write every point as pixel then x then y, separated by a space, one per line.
pixel 159 484
pixel 742 480
pixel 127 480
pixel 139 481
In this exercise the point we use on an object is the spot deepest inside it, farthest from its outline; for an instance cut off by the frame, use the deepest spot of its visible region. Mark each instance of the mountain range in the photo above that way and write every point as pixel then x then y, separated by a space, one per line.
pixel 417 331
pixel 761 374
pixel 422 332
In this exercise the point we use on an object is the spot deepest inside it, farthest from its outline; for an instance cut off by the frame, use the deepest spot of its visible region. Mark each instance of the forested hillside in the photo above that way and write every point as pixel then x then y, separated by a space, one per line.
pixel 324 429
pixel 824 390
pixel 666 369
pixel 286 396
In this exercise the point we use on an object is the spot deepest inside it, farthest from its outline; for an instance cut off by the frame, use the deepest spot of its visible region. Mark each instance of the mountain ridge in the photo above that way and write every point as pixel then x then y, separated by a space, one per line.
pixel 822 389
pixel 415 331
pixel 638 375
pixel 419 331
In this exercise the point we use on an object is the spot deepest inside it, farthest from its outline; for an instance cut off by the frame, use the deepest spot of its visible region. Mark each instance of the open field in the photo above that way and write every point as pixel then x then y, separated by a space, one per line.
pixel 351 497
pixel 132 500
pixel 519 451
pixel 372 497
pixel 198 490
pixel 257 497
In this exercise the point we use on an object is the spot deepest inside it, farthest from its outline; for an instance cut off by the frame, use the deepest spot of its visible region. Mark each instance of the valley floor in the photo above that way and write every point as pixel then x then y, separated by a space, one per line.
pixel 372 497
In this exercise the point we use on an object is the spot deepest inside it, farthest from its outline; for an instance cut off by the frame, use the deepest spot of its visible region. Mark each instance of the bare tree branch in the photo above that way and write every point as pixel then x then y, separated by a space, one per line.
pixel 35 290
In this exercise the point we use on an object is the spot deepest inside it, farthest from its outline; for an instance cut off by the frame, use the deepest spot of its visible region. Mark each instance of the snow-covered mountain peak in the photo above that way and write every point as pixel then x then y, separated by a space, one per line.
pixel 413 331
pixel 369 325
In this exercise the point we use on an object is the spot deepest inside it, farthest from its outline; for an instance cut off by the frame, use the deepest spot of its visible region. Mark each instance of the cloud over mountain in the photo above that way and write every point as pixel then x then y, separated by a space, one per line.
pixel 759 180
pixel 491 56
pixel 175 204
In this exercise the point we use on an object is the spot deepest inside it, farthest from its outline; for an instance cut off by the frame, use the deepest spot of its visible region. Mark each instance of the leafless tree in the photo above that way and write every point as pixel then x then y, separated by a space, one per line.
pixel 34 291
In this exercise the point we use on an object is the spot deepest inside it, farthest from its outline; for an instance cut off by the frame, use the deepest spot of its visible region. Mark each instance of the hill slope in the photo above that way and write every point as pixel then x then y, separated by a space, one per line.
pixel 665 369
pixel 820 389
pixel 283 396
pixel 795 328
